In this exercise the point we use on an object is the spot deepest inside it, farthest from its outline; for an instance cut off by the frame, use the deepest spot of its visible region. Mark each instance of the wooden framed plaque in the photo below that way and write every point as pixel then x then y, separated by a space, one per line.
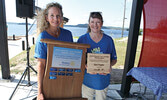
pixel 64 70
pixel 98 63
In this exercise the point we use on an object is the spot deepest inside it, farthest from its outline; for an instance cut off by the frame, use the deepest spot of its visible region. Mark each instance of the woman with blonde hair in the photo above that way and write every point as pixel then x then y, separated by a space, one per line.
pixel 48 25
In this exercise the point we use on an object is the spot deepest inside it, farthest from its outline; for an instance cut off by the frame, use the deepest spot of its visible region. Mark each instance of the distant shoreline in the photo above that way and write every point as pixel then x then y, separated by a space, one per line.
pixel 76 30
pixel 78 25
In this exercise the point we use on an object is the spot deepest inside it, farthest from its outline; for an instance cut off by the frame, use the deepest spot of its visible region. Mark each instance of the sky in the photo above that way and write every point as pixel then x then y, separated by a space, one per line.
pixel 78 11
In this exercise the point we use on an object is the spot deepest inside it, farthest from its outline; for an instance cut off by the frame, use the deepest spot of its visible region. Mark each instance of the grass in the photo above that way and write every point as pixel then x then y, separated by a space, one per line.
pixel 18 63
pixel 22 57
pixel 121 47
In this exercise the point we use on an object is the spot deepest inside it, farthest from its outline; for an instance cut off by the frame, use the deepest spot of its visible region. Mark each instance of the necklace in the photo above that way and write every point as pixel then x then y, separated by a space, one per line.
pixel 53 33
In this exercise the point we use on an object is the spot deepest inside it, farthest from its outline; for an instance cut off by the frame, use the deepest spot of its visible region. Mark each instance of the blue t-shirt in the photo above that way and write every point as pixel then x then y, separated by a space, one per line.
pixel 105 46
pixel 41 48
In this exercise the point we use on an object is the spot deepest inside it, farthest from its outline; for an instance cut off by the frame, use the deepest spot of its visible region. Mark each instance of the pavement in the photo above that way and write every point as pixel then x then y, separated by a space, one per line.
pixel 26 91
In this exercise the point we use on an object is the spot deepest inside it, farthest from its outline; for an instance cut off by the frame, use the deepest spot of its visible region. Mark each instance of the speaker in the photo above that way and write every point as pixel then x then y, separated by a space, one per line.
pixel 25 8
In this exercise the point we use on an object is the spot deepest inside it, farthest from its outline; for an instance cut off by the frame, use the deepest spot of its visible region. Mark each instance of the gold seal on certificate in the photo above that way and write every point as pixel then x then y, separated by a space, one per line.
pixel 98 63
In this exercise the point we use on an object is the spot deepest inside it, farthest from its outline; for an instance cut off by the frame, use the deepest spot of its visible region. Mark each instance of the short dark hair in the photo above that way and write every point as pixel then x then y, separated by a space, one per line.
pixel 94 15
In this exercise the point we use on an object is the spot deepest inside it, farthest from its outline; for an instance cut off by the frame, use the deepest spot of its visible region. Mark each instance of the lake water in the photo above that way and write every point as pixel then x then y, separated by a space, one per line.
pixel 20 30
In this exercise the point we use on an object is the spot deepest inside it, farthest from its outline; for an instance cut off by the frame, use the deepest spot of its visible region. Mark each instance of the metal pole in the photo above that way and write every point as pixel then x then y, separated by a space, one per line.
pixel 28 48
pixel 123 18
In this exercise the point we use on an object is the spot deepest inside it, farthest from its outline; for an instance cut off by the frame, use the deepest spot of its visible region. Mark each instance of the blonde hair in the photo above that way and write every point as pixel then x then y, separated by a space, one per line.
pixel 42 24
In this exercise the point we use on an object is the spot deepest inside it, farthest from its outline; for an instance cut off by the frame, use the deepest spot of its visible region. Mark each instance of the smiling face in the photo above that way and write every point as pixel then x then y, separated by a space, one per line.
pixel 95 25
pixel 54 17
pixel 95 22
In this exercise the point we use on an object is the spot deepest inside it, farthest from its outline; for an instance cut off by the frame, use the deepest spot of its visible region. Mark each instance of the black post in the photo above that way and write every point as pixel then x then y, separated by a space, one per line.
pixel 33 40
pixel 4 43
pixel 132 45
pixel 23 45
pixel 13 37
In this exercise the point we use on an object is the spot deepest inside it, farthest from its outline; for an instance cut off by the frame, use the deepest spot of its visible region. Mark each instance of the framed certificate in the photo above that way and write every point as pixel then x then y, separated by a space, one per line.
pixel 66 57
pixel 98 63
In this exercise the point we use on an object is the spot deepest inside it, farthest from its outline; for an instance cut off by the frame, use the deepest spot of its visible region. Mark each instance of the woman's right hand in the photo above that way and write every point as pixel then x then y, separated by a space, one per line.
pixel 40 96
